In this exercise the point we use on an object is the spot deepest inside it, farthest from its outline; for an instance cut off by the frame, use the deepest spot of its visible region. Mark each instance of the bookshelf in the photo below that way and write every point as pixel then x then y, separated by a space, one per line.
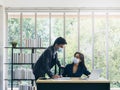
pixel 18 59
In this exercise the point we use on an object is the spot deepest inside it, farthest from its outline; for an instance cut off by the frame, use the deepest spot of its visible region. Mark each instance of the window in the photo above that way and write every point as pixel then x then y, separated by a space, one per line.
pixel 114 48
pixel 96 34
pixel 42 28
pixel 100 41
pixel 57 29
pixel 85 37
pixel 28 27
pixel 71 35
pixel 13 27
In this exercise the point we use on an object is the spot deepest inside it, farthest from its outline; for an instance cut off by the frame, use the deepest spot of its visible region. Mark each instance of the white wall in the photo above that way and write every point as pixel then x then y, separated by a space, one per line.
pixel 1 2
pixel 1 46
pixel 62 3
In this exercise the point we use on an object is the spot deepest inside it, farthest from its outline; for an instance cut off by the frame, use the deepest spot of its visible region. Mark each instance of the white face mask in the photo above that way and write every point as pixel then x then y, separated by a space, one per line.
pixel 60 49
pixel 76 61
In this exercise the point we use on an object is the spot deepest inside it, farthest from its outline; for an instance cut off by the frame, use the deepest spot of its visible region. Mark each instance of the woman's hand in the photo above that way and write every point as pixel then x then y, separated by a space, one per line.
pixel 88 76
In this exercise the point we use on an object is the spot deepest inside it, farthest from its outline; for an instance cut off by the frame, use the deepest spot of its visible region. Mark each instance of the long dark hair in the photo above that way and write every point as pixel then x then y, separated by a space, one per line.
pixel 81 57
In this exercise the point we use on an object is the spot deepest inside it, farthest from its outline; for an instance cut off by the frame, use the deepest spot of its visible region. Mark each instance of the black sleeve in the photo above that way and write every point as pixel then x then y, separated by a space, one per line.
pixel 86 72
pixel 65 72
pixel 57 61
pixel 46 60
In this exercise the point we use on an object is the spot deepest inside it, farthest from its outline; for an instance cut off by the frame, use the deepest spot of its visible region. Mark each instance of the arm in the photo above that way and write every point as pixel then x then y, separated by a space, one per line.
pixel 57 61
pixel 65 72
pixel 46 59
pixel 86 72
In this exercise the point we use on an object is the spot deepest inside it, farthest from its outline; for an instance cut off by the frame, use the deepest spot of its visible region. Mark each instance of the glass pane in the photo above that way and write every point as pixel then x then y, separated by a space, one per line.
pixel 100 42
pixel 57 28
pixel 13 28
pixel 43 28
pixel 114 48
pixel 28 27
pixel 86 38
pixel 71 34
pixel 13 36
pixel 13 32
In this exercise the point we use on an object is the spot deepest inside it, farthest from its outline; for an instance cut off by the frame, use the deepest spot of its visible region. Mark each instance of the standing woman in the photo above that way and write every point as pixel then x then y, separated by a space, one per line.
pixel 77 68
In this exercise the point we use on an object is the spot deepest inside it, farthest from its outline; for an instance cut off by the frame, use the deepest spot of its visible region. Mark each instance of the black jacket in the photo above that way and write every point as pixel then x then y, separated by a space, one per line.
pixel 68 71
pixel 45 62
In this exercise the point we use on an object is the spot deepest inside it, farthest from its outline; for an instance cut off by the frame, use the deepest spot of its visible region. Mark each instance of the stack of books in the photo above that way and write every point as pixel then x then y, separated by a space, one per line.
pixel 21 58
pixel 25 58
pixel 33 42
pixel 22 73
pixel 35 57
pixel 26 87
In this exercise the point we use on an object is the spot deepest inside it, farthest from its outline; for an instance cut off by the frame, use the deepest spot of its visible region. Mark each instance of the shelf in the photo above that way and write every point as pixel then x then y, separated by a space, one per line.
pixel 27 47
pixel 20 63
pixel 20 79
pixel 12 63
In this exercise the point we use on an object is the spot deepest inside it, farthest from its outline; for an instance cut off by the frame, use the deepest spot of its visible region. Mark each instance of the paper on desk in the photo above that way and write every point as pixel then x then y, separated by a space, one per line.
pixel 63 78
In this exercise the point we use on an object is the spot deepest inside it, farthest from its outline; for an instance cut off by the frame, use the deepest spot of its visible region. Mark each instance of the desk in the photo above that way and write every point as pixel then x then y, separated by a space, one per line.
pixel 72 84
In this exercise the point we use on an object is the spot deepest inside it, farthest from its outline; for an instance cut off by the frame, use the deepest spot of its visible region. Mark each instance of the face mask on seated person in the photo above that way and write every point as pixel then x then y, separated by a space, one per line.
pixel 75 60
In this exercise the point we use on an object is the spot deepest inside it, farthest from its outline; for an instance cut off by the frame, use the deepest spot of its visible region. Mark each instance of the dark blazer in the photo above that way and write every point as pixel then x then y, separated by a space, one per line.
pixel 68 71
pixel 45 62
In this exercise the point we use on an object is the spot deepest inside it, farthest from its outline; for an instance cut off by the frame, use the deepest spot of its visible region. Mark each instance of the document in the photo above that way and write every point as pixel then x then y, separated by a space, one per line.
pixel 63 78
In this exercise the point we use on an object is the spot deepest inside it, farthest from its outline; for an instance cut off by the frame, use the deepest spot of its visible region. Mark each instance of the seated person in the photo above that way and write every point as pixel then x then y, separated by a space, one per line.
pixel 77 68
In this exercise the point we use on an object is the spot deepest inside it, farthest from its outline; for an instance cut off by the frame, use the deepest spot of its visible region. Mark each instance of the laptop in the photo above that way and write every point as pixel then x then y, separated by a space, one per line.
pixel 95 74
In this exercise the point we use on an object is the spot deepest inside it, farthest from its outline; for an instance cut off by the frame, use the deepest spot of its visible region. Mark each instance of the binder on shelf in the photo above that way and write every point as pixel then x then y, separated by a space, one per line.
pixel 21 58
pixel 33 42
pixel 26 87
pixel 35 57
pixel 22 73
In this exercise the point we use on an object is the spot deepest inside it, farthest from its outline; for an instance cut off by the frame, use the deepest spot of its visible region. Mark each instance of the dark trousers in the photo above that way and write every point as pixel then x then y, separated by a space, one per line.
pixel 37 77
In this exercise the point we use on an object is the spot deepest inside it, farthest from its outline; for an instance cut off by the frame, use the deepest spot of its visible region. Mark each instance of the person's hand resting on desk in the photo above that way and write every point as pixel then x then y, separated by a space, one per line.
pixel 56 76
pixel 88 76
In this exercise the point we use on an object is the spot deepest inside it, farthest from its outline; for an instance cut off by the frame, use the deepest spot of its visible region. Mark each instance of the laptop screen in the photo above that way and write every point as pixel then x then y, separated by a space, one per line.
pixel 95 74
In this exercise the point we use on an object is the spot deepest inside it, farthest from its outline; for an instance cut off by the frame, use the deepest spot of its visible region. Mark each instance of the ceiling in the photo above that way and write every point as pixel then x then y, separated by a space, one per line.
pixel 61 3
